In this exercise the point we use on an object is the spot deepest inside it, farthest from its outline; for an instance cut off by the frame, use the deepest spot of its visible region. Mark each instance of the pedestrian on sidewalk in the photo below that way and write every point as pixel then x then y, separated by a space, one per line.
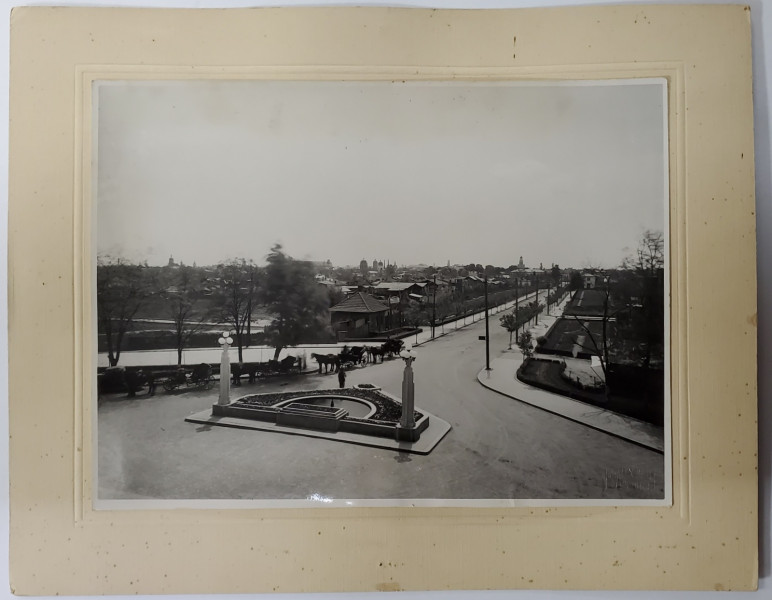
pixel 342 377
pixel 150 377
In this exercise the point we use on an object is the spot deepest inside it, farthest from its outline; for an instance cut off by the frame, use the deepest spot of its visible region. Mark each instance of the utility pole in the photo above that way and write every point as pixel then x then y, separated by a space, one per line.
pixel 548 296
pixel 487 333
pixel 517 305
pixel 434 305
pixel 537 298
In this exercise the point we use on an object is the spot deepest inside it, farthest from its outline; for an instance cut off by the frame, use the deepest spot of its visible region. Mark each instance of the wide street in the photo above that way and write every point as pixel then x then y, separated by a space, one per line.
pixel 499 448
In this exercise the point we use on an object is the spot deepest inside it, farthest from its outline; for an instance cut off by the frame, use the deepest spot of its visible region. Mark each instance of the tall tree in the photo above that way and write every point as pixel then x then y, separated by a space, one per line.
pixel 556 273
pixel 649 257
pixel 182 298
pixel 335 295
pixel 299 307
pixel 235 295
pixel 645 274
pixel 576 282
pixel 122 289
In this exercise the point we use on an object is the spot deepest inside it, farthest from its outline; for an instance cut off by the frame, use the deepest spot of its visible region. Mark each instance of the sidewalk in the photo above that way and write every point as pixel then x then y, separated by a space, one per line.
pixel 451 326
pixel 502 378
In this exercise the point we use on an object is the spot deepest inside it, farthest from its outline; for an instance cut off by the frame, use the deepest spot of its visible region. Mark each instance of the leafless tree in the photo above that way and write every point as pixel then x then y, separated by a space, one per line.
pixel 646 270
pixel 236 288
pixel 182 298
pixel 649 257
pixel 122 289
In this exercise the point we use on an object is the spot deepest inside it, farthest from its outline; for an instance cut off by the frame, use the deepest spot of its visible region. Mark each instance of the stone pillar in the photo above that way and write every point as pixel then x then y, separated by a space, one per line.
pixel 407 420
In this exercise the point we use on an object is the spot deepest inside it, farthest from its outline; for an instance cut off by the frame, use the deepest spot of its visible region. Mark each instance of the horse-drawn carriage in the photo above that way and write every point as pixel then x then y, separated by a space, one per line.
pixel 122 379
pixel 390 347
pixel 201 376
pixel 285 366
pixel 349 357
pixel 346 358
pixel 356 355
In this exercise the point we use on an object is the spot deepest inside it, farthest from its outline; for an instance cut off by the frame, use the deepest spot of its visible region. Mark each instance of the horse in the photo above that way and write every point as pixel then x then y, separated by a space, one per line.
pixel 250 370
pixel 392 346
pixel 373 352
pixel 355 355
pixel 287 363
pixel 328 360
pixel 136 379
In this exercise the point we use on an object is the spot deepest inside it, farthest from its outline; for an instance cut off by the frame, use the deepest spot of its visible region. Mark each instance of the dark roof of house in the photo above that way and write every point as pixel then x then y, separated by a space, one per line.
pixel 360 303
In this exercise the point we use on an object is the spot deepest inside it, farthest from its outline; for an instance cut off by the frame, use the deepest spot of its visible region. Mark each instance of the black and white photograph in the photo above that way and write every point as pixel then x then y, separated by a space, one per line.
pixel 375 293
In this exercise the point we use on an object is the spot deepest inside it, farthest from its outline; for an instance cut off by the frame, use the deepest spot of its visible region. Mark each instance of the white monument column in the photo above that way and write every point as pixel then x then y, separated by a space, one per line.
pixel 225 369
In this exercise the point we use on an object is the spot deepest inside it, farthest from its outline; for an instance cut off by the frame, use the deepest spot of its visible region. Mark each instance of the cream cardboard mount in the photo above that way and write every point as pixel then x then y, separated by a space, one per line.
pixel 707 538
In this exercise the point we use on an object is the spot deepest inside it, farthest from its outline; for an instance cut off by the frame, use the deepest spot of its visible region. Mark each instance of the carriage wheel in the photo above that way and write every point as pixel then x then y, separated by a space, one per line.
pixel 169 385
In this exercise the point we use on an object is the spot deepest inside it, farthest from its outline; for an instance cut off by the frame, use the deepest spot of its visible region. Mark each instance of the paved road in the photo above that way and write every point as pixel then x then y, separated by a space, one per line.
pixel 498 447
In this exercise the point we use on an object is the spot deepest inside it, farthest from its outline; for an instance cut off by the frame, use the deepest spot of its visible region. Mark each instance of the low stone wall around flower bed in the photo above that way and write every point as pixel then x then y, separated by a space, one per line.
pixel 388 408
pixel 272 408
pixel 378 428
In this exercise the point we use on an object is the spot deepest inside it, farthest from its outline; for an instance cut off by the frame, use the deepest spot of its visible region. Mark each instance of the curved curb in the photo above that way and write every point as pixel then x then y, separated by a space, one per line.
pixel 632 430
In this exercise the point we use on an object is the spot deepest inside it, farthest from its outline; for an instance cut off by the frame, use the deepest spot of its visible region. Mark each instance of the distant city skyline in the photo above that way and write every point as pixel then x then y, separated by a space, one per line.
pixel 418 172
pixel 356 266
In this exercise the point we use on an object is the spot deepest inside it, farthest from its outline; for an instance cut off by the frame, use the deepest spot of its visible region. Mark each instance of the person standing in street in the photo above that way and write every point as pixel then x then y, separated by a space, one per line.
pixel 342 377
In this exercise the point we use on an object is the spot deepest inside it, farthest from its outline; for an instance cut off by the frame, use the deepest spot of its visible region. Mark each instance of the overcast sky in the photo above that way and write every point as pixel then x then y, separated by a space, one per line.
pixel 406 172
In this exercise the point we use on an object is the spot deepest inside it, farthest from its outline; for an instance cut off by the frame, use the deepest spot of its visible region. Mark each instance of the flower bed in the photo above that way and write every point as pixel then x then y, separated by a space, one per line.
pixel 280 408
pixel 387 410
pixel 366 386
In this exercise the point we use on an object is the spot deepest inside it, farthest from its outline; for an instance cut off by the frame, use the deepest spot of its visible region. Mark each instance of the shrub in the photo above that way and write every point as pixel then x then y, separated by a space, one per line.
pixel 524 343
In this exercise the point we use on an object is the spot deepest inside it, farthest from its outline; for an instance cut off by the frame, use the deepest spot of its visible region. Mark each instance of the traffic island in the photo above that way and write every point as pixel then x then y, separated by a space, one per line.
pixel 365 416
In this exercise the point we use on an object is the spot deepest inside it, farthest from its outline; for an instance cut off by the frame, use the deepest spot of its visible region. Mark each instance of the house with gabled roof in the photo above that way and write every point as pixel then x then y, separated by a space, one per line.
pixel 359 315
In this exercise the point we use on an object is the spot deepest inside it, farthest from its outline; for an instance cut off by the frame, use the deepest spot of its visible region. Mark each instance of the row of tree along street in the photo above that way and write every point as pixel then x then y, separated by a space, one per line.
pixel 616 323
pixel 281 304
pixel 194 300
pixel 448 303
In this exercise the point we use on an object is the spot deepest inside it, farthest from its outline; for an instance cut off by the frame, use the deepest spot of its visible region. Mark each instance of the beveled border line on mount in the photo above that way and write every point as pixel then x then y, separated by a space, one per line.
pixel 84 454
